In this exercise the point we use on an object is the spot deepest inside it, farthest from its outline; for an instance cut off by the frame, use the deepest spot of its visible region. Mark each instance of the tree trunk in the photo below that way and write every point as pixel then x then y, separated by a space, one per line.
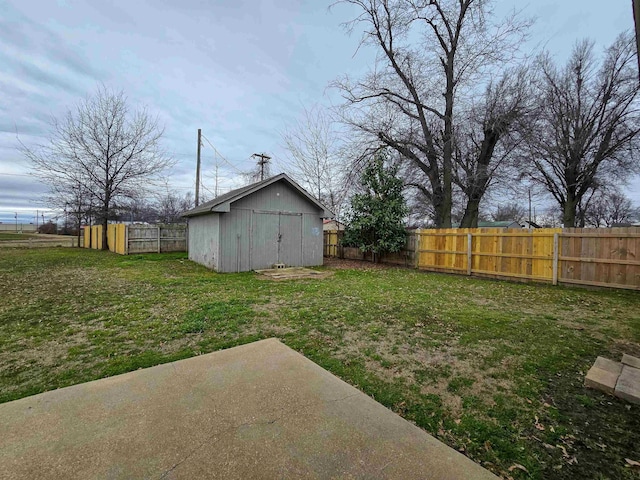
pixel 569 213
pixel 79 229
pixel 438 209
pixel 471 214
pixel 105 216
pixel 105 237
pixel 447 151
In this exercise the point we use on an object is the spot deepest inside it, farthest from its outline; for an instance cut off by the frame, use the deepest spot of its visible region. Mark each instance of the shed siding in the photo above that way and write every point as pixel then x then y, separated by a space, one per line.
pixel 204 235
pixel 235 242
pixel 277 197
pixel 312 240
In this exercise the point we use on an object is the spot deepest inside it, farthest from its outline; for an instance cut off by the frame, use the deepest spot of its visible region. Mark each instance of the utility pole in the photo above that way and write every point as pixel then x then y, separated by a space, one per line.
pixel 264 160
pixel 636 19
pixel 16 216
pixel 198 168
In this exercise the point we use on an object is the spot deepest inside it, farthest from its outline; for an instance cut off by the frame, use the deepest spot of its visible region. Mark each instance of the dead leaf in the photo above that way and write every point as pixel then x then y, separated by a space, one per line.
pixel 632 463
pixel 519 467
pixel 564 451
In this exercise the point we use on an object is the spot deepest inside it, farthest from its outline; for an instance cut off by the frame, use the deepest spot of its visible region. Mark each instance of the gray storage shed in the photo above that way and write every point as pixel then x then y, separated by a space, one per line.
pixel 274 221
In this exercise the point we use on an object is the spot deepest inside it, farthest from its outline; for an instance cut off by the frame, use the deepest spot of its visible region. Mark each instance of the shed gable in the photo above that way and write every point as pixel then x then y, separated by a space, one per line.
pixel 277 197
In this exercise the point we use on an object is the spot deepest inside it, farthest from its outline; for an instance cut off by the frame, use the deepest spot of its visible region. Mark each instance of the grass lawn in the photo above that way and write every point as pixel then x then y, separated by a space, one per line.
pixel 15 237
pixel 494 369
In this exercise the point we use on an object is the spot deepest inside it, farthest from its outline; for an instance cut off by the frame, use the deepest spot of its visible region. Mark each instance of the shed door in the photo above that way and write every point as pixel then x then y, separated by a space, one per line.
pixel 290 252
pixel 264 240
pixel 276 238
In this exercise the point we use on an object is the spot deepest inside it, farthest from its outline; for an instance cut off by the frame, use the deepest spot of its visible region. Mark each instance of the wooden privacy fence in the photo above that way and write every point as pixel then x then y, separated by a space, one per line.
pixel 131 239
pixel 495 252
pixel 597 257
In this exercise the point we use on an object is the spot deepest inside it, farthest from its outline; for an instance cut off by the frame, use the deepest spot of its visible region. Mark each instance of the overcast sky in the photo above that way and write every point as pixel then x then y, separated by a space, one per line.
pixel 239 69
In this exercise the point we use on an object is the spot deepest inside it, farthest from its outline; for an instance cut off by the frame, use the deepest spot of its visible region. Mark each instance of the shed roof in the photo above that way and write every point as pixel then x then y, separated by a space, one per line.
pixel 222 203
pixel 499 224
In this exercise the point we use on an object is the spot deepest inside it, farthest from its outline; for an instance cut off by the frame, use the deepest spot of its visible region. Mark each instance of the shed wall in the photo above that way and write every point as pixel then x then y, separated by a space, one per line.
pixel 204 240
pixel 312 238
pixel 277 197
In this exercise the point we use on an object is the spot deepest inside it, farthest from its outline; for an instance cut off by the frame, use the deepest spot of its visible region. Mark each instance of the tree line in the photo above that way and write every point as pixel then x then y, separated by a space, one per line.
pixel 451 106
pixel 469 119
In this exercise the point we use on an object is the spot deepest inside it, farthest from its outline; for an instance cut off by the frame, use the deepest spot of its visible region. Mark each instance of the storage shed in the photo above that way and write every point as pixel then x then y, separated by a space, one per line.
pixel 274 221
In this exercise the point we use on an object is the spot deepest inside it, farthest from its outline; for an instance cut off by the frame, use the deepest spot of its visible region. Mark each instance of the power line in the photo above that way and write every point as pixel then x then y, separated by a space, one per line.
pixel 223 159
pixel 18 174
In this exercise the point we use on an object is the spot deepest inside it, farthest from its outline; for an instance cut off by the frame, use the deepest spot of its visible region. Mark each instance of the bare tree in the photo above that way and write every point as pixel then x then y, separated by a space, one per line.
pixel 314 149
pixel 432 55
pixel 70 197
pixel 115 152
pixel 509 212
pixel 483 145
pixel 138 209
pixel 586 133
pixel 609 208
pixel 171 206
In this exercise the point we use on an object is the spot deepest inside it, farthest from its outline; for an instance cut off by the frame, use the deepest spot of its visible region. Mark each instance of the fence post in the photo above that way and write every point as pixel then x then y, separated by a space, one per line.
pixel 469 252
pixel 126 239
pixel 416 247
pixel 555 258
pixel 158 232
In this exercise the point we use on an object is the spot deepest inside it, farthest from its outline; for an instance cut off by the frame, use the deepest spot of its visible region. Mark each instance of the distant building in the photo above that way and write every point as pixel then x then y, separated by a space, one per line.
pixel 504 224
pixel 332 225
pixel 529 224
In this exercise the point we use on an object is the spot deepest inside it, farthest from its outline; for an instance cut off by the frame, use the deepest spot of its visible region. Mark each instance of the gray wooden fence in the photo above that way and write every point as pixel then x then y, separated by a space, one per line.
pixel 156 238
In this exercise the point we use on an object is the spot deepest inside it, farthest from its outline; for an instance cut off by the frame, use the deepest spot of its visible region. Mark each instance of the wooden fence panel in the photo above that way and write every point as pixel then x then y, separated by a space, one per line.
pixel 173 238
pixel 601 257
pixel 125 239
pixel 143 239
pixel 494 252
pixel 332 243
pixel 445 251
pixel 96 237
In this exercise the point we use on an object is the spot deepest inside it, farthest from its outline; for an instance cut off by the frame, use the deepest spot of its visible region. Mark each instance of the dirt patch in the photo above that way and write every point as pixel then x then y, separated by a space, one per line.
pixel 344 264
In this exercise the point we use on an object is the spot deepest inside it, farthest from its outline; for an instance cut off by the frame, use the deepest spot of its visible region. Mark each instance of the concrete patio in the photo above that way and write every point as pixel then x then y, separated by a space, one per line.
pixel 255 411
